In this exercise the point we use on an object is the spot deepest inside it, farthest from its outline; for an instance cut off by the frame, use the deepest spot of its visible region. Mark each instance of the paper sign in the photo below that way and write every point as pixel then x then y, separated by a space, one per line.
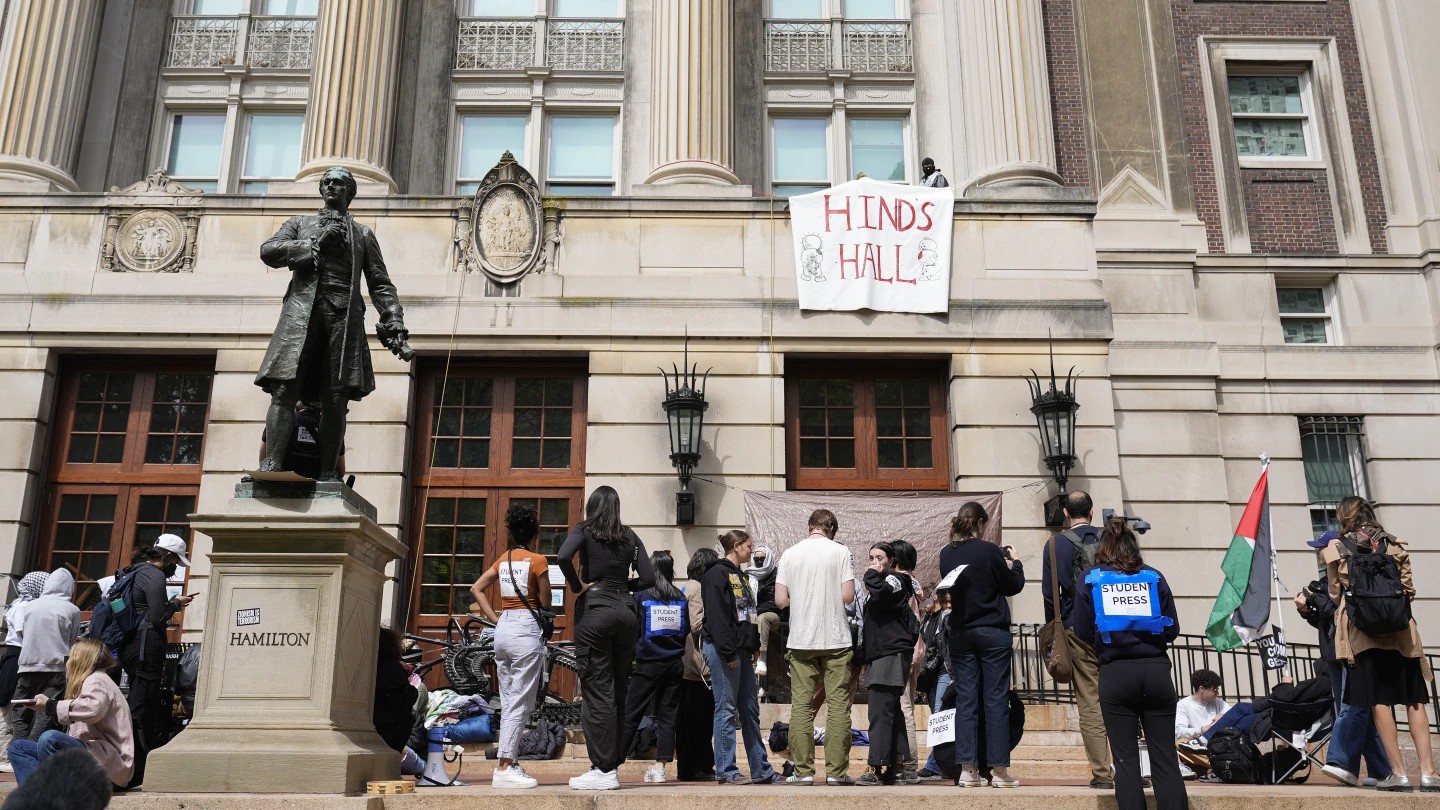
pixel 247 617
pixel 950 578
pixel 872 245
pixel 557 598
pixel 557 577
pixel 515 579
pixel 942 728
pixel 665 618
pixel 1273 651
pixel 1126 599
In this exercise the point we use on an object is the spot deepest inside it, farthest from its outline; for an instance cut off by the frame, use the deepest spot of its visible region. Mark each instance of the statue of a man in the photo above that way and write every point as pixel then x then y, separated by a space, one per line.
pixel 319 351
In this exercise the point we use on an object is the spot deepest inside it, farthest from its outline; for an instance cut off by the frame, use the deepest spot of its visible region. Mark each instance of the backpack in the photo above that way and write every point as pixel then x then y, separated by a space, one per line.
pixel 115 619
pixel 1082 560
pixel 1274 764
pixel 1375 600
pixel 780 736
pixel 1234 758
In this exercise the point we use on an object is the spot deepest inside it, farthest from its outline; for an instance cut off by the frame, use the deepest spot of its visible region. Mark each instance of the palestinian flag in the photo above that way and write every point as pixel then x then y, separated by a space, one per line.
pixel 1243 607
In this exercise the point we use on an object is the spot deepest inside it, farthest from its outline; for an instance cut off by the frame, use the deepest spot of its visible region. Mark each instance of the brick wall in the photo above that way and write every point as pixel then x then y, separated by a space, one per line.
pixel 1289 211
pixel 1332 18
pixel 1066 105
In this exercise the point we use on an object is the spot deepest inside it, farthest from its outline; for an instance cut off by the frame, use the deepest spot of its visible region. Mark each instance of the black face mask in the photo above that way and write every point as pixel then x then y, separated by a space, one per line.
pixel 169 569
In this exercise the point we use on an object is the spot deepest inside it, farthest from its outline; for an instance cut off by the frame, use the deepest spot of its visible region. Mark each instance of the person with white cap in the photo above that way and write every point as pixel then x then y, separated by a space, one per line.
pixel 142 655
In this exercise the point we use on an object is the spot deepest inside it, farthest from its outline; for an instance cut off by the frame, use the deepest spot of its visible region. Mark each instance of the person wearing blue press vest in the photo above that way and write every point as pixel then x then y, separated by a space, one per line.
pixel 1126 611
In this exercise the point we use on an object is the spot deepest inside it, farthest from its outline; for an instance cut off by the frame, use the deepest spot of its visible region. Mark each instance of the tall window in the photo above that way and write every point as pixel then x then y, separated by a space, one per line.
pixel 196 143
pixel 125 466
pixel 483 139
pixel 1333 452
pixel 492 436
pixel 1305 314
pixel 582 156
pixel 862 426
pixel 1271 114
pixel 272 151
pixel 800 155
pixel 871 9
pixel 877 148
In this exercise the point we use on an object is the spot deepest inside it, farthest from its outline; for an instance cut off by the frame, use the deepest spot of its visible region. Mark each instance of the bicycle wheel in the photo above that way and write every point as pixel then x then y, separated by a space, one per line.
pixel 467 668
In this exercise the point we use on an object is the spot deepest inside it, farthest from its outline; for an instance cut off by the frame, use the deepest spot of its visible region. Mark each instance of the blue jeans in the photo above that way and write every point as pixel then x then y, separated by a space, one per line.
pixel 980 659
pixel 26 756
pixel 941 684
pixel 735 688
pixel 1241 716
pixel 1354 733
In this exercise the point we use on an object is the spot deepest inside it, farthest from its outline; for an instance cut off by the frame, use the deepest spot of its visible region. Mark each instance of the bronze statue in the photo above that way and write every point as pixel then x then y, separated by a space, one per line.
pixel 319 351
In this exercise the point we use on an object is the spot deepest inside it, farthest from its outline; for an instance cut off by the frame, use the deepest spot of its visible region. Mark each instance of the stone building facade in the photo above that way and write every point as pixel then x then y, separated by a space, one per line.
pixel 1225 213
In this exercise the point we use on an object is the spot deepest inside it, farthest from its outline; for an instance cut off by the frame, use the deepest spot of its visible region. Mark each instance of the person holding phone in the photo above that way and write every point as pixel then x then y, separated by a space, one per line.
pixel 980 643
pixel 93 709
pixel 889 645
pixel 142 655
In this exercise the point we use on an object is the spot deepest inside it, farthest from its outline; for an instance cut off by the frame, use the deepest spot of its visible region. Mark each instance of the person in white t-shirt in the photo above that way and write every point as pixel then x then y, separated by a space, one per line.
pixel 816 581
pixel 1195 715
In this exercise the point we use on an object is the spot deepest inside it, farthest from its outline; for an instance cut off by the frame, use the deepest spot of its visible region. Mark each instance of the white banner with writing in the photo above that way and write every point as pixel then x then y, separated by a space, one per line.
pixel 872 245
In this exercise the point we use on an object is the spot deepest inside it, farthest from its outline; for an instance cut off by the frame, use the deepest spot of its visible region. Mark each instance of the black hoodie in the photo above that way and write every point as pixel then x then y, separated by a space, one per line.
pixel 890 624
pixel 729 610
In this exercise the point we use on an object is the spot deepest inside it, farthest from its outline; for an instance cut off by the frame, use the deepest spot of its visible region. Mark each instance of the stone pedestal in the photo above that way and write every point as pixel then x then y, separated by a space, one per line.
pixel 287 675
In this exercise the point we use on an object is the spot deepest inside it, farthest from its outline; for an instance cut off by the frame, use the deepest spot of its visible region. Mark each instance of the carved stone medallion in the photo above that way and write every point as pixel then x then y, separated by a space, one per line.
pixel 501 227
pixel 150 227
pixel 149 241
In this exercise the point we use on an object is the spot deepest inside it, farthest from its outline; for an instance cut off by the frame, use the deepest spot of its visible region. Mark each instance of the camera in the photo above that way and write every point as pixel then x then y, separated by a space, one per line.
pixel 1139 524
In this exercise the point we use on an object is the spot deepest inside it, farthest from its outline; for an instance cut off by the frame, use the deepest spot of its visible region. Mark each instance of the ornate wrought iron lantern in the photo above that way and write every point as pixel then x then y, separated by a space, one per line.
pixel 685 411
pixel 1055 417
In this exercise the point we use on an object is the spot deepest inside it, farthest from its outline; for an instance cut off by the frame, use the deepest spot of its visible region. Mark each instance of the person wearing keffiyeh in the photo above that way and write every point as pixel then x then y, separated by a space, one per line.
pixel 28 591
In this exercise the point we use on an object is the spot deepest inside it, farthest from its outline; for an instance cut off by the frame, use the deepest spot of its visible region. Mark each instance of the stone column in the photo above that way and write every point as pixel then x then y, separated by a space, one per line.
pixel 46 60
pixel 352 90
pixel 1009 136
pixel 692 93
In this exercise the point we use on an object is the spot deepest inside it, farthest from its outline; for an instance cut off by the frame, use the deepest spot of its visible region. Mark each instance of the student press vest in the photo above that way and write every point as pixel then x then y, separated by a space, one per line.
pixel 1126 602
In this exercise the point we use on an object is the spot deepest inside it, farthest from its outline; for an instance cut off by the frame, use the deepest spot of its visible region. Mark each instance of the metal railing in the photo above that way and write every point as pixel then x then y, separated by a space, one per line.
pixel 816 46
pixel 1241 670
pixel 281 43
pixel 562 44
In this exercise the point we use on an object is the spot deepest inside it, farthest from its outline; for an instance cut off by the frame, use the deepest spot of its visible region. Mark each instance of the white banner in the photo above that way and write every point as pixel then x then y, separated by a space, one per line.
pixel 872 245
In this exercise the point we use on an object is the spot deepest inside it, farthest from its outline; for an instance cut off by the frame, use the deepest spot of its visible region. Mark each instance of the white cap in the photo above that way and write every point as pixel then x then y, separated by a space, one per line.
pixel 173 544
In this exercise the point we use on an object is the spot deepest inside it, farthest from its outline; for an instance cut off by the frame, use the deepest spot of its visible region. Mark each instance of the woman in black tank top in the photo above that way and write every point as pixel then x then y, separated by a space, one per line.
pixel 606 628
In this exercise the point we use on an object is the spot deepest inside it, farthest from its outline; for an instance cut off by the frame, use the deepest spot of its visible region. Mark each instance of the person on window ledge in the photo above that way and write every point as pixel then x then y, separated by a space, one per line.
pixel 932 178
pixel 606 628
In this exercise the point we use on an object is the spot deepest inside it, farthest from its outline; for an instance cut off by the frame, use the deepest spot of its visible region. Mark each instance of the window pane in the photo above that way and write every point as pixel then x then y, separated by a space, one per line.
pixel 273 146
pixel 217 7
pixel 195 145
pixel 586 8
pixel 1264 94
pixel 1270 137
pixel 484 138
pixel 582 147
pixel 870 9
pixel 581 190
pixel 795 191
pixel 1326 458
pixel 800 152
pixel 292 8
pixel 842 453
pixel 796 9
pixel 501 8
pixel 1304 330
pixel 812 452
pixel 877 148
pixel 1301 300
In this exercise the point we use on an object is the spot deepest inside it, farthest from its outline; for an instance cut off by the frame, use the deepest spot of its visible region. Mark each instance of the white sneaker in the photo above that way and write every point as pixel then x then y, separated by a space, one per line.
pixel 655 773
pixel 512 778
pixel 596 779
pixel 1187 773
pixel 970 779
pixel 6 767
pixel 760 668
pixel 1339 774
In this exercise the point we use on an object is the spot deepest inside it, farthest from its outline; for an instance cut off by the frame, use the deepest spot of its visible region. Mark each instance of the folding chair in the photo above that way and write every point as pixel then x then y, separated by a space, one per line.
pixel 1305 727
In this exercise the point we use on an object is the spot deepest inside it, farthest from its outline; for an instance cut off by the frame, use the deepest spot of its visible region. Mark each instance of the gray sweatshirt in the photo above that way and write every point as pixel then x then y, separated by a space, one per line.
pixel 52 623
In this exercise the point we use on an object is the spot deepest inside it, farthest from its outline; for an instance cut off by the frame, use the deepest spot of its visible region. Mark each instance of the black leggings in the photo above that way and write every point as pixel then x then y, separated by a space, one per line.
pixel 889 744
pixel 654 684
pixel 605 645
pixel 695 749
pixel 1138 694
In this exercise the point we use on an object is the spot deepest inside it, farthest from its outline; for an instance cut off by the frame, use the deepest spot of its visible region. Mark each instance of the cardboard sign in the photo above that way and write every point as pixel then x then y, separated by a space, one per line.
pixel 871 245
pixel 942 728
pixel 515 578
pixel 1127 599
pixel 1273 650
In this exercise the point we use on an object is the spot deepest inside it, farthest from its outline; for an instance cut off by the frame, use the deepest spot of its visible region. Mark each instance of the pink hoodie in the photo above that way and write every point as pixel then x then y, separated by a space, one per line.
pixel 100 717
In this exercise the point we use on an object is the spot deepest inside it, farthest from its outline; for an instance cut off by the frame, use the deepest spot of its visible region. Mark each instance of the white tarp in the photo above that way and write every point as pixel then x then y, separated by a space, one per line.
pixel 872 245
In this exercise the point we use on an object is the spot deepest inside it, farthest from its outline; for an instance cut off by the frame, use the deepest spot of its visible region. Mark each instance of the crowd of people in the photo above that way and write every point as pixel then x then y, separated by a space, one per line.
pixel 692 656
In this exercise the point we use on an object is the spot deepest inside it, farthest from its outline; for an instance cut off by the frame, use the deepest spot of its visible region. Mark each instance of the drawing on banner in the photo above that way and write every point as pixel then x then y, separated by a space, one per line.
pixel 872 245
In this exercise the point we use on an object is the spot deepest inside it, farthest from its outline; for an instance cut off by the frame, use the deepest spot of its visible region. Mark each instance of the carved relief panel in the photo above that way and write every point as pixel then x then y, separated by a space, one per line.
pixel 501 230
pixel 150 227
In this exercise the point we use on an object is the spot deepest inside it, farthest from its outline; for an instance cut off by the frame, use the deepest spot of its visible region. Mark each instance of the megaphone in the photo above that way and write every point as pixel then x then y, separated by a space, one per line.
pixel 436 758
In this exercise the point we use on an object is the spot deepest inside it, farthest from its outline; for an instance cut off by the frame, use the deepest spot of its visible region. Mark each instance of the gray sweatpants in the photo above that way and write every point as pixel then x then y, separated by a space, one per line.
pixel 519 656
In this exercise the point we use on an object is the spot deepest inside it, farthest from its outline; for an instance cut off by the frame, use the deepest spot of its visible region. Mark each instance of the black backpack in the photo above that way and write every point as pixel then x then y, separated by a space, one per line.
pixel 115 619
pixel 1082 560
pixel 1234 758
pixel 1375 601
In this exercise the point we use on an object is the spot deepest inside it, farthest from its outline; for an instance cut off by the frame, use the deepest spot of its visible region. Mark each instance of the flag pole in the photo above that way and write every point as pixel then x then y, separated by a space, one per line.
pixel 1275 573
